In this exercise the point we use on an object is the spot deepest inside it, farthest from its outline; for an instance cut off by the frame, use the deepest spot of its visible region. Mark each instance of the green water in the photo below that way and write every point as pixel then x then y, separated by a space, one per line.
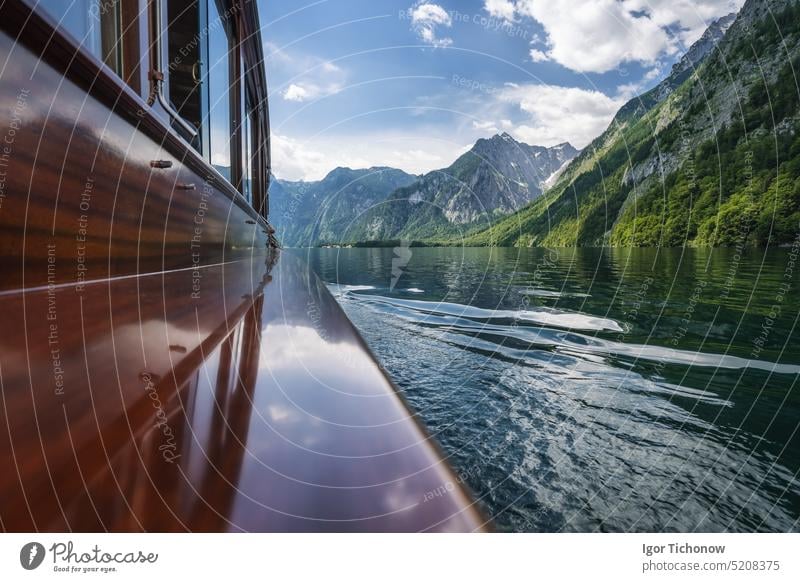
pixel 596 389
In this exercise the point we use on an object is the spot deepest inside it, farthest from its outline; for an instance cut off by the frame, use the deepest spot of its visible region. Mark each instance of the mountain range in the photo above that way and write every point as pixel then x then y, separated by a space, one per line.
pixel 497 177
pixel 312 213
pixel 708 157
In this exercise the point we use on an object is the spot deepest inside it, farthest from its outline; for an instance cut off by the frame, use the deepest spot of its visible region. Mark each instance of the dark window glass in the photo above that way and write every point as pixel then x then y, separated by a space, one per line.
pixel 94 24
pixel 111 34
pixel 79 18
pixel 184 66
pixel 246 138
pixel 221 52
pixel 202 83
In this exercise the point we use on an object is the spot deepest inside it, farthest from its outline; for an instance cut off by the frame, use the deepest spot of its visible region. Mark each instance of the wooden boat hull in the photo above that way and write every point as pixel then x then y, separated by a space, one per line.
pixel 80 197
pixel 255 407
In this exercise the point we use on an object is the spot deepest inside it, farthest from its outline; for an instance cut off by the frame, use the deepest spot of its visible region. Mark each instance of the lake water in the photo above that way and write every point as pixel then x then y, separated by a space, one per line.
pixel 595 389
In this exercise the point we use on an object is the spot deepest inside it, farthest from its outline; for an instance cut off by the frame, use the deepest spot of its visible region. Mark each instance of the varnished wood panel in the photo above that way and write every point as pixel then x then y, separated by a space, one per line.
pixel 254 407
pixel 76 162
pixel 76 170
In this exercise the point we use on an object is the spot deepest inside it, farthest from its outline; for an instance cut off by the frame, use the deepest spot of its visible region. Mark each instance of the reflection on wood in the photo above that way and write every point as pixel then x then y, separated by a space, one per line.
pixel 94 184
pixel 254 408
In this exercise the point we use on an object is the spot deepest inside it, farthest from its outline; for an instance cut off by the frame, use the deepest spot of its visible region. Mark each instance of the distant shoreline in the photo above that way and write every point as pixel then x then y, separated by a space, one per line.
pixel 434 245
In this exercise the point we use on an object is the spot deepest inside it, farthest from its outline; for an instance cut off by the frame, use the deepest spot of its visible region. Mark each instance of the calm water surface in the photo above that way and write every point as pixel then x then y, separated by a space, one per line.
pixel 596 390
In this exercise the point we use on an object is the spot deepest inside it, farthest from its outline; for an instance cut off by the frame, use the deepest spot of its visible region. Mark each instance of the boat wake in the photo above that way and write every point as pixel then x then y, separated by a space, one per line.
pixel 563 415
pixel 553 330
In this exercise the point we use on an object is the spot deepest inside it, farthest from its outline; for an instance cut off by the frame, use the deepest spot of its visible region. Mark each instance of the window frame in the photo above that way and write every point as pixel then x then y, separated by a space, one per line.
pixel 230 29
pixel 244 119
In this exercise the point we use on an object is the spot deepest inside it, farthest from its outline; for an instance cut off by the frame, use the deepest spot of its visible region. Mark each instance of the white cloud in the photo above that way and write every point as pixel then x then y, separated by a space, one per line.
pixel 501 9
pixel 538 56
pixel 301 92
pixel 415 152
pixel 275 54
pixel 631 90
pixel 309 77
pixel 557 114
pixel 596 35
pixel 692 16
pixel 426 18
pixel 599 35
pixel 294 160
pixel 330 67
pixel 485 126
pixel 296 93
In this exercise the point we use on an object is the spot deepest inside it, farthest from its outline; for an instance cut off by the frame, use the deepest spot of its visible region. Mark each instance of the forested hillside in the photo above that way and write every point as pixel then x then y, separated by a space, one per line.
pixel 710 157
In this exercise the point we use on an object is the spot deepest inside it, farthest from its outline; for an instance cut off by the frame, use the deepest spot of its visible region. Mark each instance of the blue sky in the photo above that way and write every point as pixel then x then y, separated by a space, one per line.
pixel 413 84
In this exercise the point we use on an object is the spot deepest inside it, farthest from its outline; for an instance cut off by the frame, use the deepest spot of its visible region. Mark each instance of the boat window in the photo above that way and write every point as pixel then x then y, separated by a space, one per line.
pixel 221 76
pixel 247 159
pixel 185 64
pixel 246 137
pixel 95 24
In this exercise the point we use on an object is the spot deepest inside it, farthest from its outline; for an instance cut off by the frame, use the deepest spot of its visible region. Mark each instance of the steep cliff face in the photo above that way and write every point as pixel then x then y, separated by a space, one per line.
pixel 499 175
pixel 496 177
pixel 708 157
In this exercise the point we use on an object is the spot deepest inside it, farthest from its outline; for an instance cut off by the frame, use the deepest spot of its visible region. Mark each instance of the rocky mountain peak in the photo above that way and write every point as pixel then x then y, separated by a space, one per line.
pixel 681 71
pixel 689 139
pixel 704 45
pixel 566 149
